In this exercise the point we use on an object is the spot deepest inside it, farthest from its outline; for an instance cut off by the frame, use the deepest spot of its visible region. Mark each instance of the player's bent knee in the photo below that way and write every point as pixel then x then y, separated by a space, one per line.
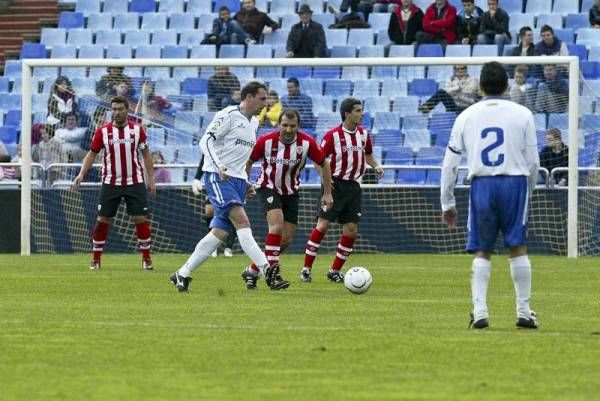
pixel 323 225
pixel 350 229
pixel 238 217
pixel 105 220
pixel 139 219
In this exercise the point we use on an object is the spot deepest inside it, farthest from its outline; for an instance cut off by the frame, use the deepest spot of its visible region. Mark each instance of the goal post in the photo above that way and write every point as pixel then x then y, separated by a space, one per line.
pixel 382 195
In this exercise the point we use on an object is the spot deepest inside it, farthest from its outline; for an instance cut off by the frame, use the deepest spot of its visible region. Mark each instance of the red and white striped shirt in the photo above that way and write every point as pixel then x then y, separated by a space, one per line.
pixel 347 150
pixel 121 164
pixel 282 162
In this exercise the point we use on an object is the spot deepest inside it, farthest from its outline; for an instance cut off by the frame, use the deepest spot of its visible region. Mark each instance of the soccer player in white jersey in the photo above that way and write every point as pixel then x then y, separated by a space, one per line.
pixel 284 153
pixel 226 147
pixel 499 139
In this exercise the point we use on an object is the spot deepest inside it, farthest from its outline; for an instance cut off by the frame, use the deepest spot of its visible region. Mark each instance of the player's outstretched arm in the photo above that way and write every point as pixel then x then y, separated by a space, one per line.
pixel 88 160
pixel 149 171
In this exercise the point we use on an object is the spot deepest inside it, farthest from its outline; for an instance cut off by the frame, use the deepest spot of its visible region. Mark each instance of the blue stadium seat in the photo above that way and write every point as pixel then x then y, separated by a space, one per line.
pixel 564 7
pixel 99 21
pixel 147 51
pixel 343 51
pixel 174 51
pixel 12 68
pixel 198 7
pixel 87 6
pixel 323 104
pixel 360 37
pixel 393 88
pixel 355 73
pixel 588 157
pixel 53 36
pixel 13 117
pixel 182 73
pixel 164 38
pixel 590 69
pixel 430 50
pixel 311 86
pixel 288 20
pixel 371 51
pixel 417 138
pixel 540 121
pixel 324 19
pixel 554 20
pixel 388 139
pixel 69 20
pixel 507 50
pixel 326 72
pixel 8 134
pixel 260 51
pixel 106 38
pixel 33 50
pixel 590 123
pixel 115 6
pixel 203 51
pixel 205 21
pixel 441 137
pixel 364 88
pixel 586 5
pixel 279 52
pixel 588 36
pixel 458 51
pixel 282 7
pixel 193 86
pixel 422 87
pixel 520 20
pixel 577 21
pixel 64 51
pixel 119 51
pixel 594 54
pixel 406 105
pixel 442 121
pixel 231 51
pixel 383 38
pixel 416 122
pixel 90 51
pixel 402 51
pixel 379 20
pixel 181 21
pixel 578 50
pixel 129 21
pixel 440 73
pixel 325 121
pixel 142 6
pixel 268 73
pixel 386 120
pixel 430 156
pixel 137 37
pixel 398 155
pixel 190 37
pixel 166 87
pixel 79 37
pixel 171 6
pixel 374 104
pixel 338 88
pixel 485 51
pixel 383 72
pixel 233 5
pixel 4 83
pixel 336 37
pixel 154 21
pixel 12 101
pixel 567 35
pixel 538 7
pixel 278 37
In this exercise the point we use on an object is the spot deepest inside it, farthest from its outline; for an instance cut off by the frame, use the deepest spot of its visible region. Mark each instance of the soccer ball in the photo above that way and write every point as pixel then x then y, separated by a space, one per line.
pixel 358 280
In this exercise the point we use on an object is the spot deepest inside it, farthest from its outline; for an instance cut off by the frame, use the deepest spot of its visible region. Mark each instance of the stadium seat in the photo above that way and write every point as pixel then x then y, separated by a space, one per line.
pixel 355 73
pixel 288 20
pixel 430 156
pixel 588 36
pixel 507 50
pixel 485 51
pixel 386 120
pixel 282 7
pixel 279 52
pixel 13 118
pixel 430 50
pixel 106 38
pixel 174 51
pixel 343 51
pixel 53 36
pixel 165 87
pixel 87 6
pixel 79 37
pixel 538 7
pixel 590 69
pixel 171 7
pixel 324 104
pixel 325 121
pixel 64 51
pixel 326 19
pixel 406 105
pixel 338 88
pixel 577 21
pixel 205 21
pixel 69 20
pixel 564 7
pixel 199 7
pixel 231 51
pixel 422 87
pixel 200 103
pixel 326 72
pixel 417 138
pixel 336 37
pixel 393 88
pixel 375 104
pixel 203 51
pixel 154 21
pixel 458 51
pixel 440 73
pixel 388 139
pixel 520 20
pixel 416 122
pixel 33 50
pixel 99 21
pixel 588 157
pixel 379 20
pixel 181 21
pixel 586 5
pixel 234 6
pixel 260 51
pixel 383 38
pixel 441 137
pixel 127 22
pixel 278 37
pixel 164 38
pixel 115 7
pixel 268 73
pixel 8 134
pixel 383 72
pixel 142 6
pixel 402 51
pixel 182 73
pixel 590 123
pixel 443 121
pixel 12 68
pixel 90 51
pixel 137 37
pixel 12 101
pixel 154 73
pixel 554 20
pixel 4 83
pixel 187 120
pixel 371 51
pixel 190 37
pixel 119 51
pixel 360 37
pixel 398 155
pixel 567 35
pixel 363 88
pixel 311 86
pixel 147 51
pixel 578 50
pixel 193 86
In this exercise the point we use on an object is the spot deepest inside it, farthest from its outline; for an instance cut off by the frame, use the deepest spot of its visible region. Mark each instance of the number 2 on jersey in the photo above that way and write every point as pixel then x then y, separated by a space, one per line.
pixel 485 153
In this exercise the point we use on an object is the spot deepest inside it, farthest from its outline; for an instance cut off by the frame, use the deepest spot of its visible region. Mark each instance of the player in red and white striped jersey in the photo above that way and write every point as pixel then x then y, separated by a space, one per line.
pixel 349 147
pixel 122 177
pixel 284 153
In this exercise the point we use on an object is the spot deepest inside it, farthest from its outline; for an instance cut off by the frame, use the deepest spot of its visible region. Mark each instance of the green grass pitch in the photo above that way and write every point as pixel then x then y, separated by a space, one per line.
pixel 123 334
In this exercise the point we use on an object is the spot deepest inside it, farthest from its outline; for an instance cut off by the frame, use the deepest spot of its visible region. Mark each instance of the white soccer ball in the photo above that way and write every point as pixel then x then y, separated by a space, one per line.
pixel 358 280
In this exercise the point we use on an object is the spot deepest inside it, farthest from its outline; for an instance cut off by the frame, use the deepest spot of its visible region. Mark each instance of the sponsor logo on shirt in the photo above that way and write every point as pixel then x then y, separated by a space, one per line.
pixel 352 148
pixel 120 141
pixel 242 142
pixel 285 162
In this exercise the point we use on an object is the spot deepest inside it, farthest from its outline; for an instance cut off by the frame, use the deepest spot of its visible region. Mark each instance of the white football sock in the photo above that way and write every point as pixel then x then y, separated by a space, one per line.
pixel 251 248
pixel 480 277
pixel 205 247
pixel 520 271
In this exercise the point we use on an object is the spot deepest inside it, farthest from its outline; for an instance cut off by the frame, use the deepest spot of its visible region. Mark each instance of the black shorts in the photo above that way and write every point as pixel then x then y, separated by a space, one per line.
pixel 346 202
pixel 136 199
pixel 289 204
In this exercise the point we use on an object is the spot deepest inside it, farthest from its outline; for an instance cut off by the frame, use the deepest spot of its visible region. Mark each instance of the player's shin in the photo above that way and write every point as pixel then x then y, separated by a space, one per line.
pixel 204 248
pixel 144 240
pixel 99 236
pixel 272 250
pixel 312 247
pixel 344 249
pixel 251 248
pixel 520 271
pixel 480 278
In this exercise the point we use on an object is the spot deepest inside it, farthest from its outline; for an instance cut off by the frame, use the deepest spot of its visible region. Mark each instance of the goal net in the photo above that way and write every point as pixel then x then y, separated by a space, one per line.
pixel 410 106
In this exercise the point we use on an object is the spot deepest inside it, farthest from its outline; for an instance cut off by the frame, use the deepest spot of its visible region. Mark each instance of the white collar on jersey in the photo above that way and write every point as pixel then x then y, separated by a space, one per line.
pixel 348 131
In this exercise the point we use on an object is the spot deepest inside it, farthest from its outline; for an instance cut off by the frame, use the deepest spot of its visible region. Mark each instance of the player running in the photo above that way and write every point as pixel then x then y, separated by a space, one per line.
pixel 350 149
pixel 499 139
pixel 226 146
pixel 284 153
pixel 122 177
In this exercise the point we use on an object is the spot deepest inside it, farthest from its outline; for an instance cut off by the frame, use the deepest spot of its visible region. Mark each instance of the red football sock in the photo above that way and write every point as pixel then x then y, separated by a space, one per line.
pixel 272 250
pixel 99 235
pixel 344 249
pixel 312 247
pixel 143 235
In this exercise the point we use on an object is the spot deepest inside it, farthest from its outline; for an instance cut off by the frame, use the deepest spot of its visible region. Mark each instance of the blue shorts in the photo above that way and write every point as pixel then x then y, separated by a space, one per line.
pixel 497 203
pixel 223 195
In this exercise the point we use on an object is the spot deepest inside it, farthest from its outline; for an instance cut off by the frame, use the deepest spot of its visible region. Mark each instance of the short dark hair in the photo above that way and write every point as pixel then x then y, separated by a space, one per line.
pixel 252 88
pixel 224 8
pixel 555 132
pixel 547 28
pixel 293 80
pixel 70 114
pixel 524 30
pixel 467 1
pixel 290 113
pixel 522 68
pixel 120 100
pixel 493 79
pixel 347 105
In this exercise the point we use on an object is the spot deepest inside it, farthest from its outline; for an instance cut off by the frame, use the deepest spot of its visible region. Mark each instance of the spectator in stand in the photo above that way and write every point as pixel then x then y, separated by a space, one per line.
pixel 459 92
pixel 226 31
pixel 306 38
pixel 151 104
pixel 106 88
pixel 595 14
pixel 61 102
pixel 299 101
pixel 555 154
pixel 360 7
pixel 522 92
pixel 439 24
pixel 18 158
pixel 236 98
pixel 46 152
pixel 220 88
pixel 494 26
pixel 550 45
pixel 525 47
pixel 254 22
pixel 269 115
pixel 386 6
pixel 7 172
pixel 69 137
pixel 552 92
pixel 161 174
pixel 405 22
pixel 468 22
